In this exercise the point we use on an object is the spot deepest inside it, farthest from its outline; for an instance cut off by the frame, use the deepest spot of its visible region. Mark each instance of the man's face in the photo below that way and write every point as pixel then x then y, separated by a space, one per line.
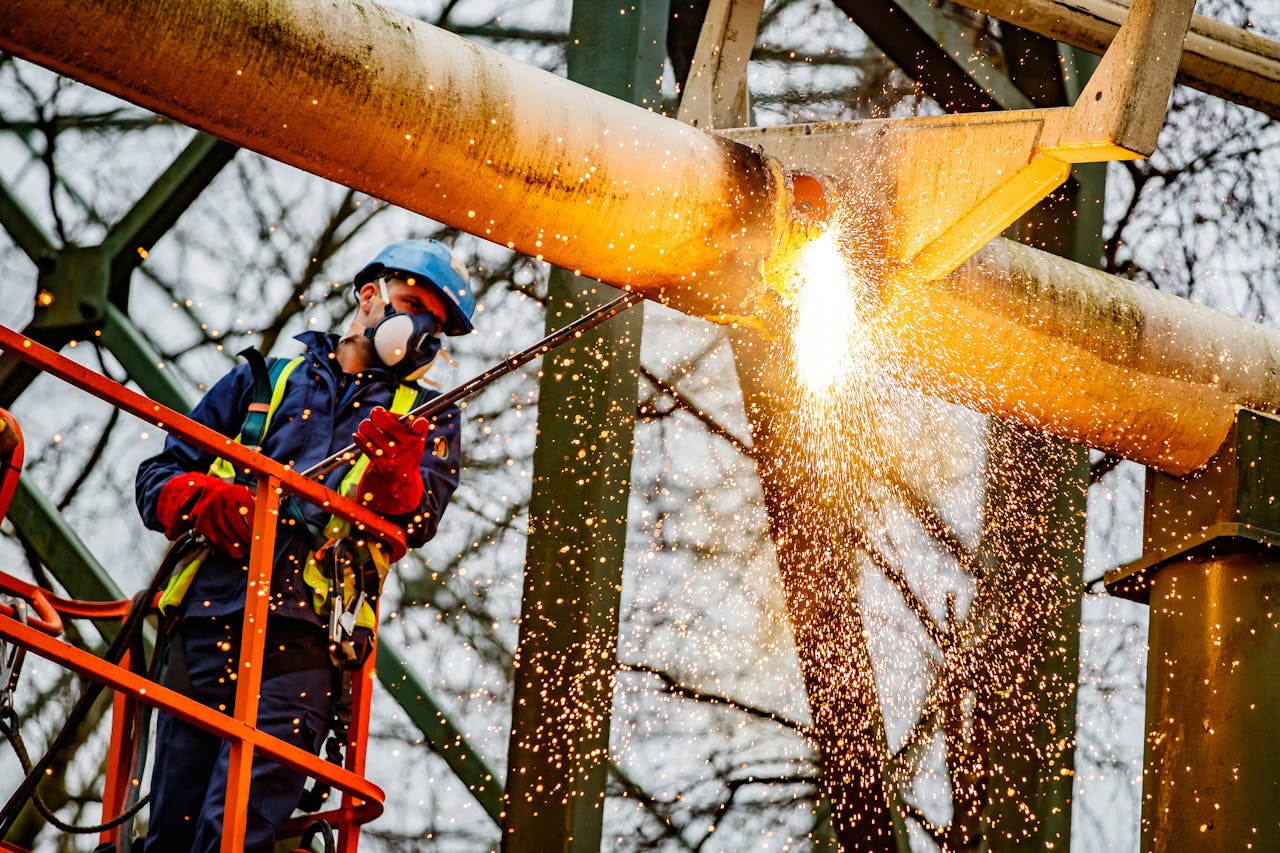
pixel 406 296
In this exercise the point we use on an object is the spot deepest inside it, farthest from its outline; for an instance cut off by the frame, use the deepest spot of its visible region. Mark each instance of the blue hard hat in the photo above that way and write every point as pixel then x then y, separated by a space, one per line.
pixel 431 263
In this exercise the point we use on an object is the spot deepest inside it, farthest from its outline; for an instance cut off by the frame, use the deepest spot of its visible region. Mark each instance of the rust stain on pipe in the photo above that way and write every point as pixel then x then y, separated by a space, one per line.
pixel 372 99
pixel 1079 353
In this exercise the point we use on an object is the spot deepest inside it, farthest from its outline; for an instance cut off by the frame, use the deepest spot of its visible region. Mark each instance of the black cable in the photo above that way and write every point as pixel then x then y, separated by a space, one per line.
pixel 9 727
pixel 132 624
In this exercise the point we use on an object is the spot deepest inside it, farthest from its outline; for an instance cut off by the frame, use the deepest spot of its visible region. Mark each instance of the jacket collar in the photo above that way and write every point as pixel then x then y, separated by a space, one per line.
pixel 322 346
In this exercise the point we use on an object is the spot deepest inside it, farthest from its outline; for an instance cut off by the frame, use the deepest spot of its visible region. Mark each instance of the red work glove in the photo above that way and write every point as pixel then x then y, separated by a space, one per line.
pixel 392 485
pixel 223 512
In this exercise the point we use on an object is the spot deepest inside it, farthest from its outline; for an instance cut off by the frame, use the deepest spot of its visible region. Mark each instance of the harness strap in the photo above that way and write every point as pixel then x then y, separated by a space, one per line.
pixel 255 420
pixel 268 391
pixel 357 577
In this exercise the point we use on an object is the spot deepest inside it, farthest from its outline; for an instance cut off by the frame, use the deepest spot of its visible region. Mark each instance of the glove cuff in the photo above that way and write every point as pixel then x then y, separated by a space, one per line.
pixel 177 496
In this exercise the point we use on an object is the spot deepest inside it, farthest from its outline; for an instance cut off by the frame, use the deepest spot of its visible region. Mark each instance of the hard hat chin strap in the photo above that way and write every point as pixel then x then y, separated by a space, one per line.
pixel 358 329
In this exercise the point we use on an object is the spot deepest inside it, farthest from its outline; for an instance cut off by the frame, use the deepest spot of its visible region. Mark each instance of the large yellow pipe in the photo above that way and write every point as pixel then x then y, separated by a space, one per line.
pixel 429 121
pixel 412 114
pixel 1085 355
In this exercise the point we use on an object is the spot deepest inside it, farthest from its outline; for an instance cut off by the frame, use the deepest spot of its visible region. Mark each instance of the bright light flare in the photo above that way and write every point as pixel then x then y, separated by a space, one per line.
pixel 828 326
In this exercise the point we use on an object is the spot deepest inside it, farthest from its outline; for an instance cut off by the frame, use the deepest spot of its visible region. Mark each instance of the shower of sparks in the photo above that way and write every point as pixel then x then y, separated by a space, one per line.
pixel 841 389
pixel 828 328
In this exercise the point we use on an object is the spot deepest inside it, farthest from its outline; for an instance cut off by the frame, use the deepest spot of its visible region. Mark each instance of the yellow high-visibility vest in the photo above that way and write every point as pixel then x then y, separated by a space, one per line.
pixel 336 529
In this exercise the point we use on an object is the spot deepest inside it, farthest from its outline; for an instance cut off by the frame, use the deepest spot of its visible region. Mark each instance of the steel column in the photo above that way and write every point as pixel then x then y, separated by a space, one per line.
pixel 567 652
pixel 1025 694
pixel 1211 575
pixel 1210 779
pixel 1033 537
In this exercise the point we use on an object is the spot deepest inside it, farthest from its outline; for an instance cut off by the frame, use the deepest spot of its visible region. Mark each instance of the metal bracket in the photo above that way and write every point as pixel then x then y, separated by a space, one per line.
pixel 715 95
pixel 945 186
pixel 72 288
pixel 1228 505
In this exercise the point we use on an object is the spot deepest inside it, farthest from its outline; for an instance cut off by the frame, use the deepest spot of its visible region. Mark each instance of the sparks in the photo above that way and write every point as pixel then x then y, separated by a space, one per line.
pixel 828 327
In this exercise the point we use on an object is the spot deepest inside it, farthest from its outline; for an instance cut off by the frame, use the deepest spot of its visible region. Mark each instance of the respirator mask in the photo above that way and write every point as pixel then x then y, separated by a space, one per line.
pixel 406 344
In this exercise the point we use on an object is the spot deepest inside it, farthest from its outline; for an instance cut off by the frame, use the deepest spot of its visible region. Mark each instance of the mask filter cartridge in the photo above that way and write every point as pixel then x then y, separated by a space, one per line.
pixel 406 343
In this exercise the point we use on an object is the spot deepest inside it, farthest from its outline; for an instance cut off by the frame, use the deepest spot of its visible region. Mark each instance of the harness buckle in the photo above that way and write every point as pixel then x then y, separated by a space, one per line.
pixel 350 612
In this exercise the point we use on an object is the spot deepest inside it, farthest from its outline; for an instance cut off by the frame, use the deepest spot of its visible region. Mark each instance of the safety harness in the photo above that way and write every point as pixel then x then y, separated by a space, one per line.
pixel 268 391
pixel 344 573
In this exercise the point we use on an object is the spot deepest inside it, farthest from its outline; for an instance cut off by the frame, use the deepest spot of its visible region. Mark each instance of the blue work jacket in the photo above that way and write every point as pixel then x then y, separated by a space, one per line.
pixel 319 413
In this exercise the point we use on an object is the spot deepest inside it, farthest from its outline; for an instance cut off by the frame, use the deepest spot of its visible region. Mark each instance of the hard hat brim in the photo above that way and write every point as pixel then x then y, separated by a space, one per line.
pixel 455 323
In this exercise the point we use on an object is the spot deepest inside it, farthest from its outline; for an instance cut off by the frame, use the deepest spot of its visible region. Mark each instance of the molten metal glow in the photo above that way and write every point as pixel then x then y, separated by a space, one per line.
pixel 827 324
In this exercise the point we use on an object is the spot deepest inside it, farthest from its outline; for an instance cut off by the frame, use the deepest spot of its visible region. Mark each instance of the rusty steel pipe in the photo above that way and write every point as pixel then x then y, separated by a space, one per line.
pixel 1068 349
pixel 407 112
pixel 429 121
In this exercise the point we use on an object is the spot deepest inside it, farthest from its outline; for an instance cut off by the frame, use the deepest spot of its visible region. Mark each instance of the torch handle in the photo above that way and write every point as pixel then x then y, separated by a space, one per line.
pixel 511 363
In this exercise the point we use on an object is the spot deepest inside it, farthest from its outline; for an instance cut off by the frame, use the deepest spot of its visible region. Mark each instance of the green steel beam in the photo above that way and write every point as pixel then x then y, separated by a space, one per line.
pixel 22 227
pixel 1210 576
pixel 81 282
pixel 144 365
pixel 27 234
pixel 74 281
pixel 60 549
pixel 158 209
pixel 567 653
pixel 441 735
pixel 930 49
pixel 1034 537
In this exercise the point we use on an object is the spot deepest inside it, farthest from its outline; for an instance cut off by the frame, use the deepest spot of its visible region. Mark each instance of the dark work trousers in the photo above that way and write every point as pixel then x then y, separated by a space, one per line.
pixel 189 776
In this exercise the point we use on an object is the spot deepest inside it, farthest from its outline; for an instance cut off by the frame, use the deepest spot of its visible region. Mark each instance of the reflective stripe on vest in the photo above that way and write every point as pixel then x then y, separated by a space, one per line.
pixel 224 470
pixel 339 528
pixel 176 590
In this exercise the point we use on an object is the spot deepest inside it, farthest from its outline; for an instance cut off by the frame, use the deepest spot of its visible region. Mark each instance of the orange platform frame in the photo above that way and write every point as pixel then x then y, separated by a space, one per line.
pixel 361 801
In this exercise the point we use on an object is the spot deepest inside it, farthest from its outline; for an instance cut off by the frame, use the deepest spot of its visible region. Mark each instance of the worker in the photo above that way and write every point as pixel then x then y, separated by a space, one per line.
pixel 343 389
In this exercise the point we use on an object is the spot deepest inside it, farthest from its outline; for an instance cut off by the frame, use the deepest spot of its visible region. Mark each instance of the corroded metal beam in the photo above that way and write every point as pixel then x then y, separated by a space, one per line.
pixel 1232 63
pixel 1061 347
pixel 1021 333
pixel 431 122
pixel 434 123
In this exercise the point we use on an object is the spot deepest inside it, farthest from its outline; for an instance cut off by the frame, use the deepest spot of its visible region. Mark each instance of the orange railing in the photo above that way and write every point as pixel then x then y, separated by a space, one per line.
pixel 361 800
